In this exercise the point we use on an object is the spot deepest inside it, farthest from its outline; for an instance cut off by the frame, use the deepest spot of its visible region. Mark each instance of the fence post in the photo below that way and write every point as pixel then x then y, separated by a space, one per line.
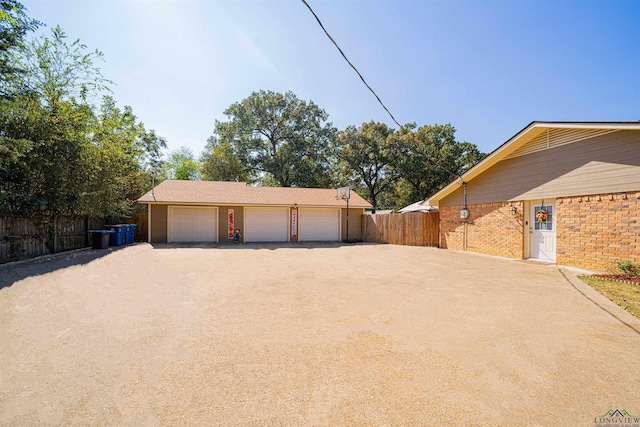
pixel 55 234
pixel 86 230
pixel 363 228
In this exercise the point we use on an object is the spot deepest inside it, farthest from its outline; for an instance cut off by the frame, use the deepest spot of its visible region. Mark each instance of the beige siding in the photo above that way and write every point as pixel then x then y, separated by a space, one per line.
pixel 604 164
pixel 551 138
pixel 158 223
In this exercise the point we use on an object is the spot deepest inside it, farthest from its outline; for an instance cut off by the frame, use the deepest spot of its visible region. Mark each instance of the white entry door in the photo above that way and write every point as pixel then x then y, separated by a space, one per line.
pixel 542 226
pixel 266 224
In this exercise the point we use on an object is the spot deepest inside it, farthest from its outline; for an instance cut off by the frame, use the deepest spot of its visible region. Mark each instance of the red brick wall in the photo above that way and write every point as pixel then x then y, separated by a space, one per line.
pixel 594 232
pixel 491 229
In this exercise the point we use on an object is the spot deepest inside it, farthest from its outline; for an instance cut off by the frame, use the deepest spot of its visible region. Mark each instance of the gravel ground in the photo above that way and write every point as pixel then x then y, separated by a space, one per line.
pixel 296 335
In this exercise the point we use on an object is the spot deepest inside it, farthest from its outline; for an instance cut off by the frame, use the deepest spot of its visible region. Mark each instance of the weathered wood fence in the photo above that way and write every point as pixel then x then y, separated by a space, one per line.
pixel 411 228
pixel 26 237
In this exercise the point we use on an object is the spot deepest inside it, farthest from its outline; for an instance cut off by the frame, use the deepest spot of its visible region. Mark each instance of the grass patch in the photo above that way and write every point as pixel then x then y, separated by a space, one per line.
pixel 626 295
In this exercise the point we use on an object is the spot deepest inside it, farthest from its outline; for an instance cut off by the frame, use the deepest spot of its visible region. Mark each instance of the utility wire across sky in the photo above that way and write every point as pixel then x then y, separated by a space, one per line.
pixel 433 161
pixel 349 62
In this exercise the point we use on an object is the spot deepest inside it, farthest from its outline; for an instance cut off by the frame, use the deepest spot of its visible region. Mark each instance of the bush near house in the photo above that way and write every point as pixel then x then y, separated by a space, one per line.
pixel 629 269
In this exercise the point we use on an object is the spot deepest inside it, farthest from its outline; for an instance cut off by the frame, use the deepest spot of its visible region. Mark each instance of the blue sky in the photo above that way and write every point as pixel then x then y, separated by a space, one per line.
pixel 487 67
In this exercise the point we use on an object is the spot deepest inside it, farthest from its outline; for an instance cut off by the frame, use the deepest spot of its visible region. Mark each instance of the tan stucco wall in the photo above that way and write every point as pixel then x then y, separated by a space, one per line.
pixel 158 218
pixel 355 223
pixel 223 222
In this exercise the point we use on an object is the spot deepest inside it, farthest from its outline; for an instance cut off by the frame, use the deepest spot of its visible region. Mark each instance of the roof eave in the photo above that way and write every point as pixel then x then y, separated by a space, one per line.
pixel 182 202
pixel 499 153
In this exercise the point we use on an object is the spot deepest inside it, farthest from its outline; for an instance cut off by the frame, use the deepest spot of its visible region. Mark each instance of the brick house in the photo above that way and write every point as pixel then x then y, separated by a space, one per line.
pixel 562 192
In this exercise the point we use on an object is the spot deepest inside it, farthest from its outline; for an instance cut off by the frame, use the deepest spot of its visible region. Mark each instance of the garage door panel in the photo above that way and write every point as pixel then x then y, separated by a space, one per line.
pixel 266 225
pixel 319 225
pixel 193 225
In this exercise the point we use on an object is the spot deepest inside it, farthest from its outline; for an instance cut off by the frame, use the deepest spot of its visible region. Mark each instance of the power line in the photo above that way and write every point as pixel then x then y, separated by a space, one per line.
pixel 349 62
pixel 433 161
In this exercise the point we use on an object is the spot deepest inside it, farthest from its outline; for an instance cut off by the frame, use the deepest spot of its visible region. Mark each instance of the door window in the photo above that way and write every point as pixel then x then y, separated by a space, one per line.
pixel 546 223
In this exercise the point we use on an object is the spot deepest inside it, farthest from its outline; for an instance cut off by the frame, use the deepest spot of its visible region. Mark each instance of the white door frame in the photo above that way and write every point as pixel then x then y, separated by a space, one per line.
pixel 530 225
pixel 249 208
pixel 170 217
pixel 339 236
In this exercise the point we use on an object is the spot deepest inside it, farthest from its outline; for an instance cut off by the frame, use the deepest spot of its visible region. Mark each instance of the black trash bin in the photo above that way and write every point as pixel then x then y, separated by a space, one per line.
pixel 100 238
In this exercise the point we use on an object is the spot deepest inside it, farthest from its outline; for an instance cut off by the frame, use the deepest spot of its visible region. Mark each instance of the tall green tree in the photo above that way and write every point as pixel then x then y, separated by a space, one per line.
pixel 57 69
pixel 430 158
pixel 221 163
pixel 60 154
pixel 48 117
pixel 367 155
pixel 114 158
pixel 14 26
pixel 50 170
pixel 183 165
pixel 278 138
pixel 153 145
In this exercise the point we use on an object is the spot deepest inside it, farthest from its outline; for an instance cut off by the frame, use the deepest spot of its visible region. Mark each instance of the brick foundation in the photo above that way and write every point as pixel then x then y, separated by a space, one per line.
pixel 594 232
pixel 491 229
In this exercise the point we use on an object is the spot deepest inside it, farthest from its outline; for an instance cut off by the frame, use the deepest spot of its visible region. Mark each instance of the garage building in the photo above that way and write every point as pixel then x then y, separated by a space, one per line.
pixel 214 211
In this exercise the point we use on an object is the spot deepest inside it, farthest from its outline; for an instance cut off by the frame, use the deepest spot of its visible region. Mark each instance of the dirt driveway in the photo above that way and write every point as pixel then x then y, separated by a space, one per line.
pixel 309 335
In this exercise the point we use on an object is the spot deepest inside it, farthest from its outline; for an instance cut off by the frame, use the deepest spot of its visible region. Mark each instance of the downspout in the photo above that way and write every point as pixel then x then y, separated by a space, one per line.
pixel 153 194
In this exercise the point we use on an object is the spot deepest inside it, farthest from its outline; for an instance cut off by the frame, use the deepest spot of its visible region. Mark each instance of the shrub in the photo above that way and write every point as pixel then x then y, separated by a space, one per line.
pixel 628 268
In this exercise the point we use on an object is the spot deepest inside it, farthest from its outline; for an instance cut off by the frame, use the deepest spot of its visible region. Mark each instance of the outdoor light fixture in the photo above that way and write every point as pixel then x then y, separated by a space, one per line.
pixel 513 210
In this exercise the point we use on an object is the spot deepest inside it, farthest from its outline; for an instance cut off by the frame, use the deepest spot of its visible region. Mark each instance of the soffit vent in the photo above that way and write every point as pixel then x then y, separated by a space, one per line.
pixel 557 137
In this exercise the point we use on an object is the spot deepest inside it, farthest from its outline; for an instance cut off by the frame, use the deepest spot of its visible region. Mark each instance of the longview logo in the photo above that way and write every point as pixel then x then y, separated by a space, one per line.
pixel 617 418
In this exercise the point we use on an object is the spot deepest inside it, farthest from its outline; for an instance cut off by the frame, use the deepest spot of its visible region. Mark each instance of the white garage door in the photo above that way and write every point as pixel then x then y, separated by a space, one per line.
pixel 193 224
pixel 319 225
pixel 266 225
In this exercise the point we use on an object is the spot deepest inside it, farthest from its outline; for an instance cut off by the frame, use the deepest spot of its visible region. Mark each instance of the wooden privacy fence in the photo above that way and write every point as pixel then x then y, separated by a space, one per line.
pixel 411 228
pixel 142 226
pixel 26 237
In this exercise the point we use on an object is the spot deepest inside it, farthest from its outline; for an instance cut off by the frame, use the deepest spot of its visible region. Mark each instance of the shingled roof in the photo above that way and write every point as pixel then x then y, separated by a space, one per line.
pixel 239 193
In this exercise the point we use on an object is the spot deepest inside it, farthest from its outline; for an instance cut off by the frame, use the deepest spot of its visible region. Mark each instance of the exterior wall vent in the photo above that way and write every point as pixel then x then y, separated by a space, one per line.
pixel 557 137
